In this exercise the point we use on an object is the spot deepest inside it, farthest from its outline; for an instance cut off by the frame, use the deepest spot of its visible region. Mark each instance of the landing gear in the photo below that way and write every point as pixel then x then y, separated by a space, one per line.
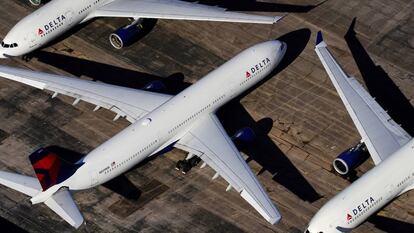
pixel 186 165
pixel 35 2
pixel 27 57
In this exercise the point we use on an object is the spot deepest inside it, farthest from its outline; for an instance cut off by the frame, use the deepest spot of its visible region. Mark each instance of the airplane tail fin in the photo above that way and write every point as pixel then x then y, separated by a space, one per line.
pixel 50 169
pixel 60 202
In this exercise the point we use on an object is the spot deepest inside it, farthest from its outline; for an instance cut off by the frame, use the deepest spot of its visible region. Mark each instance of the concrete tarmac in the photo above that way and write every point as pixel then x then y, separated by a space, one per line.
pixel 303 122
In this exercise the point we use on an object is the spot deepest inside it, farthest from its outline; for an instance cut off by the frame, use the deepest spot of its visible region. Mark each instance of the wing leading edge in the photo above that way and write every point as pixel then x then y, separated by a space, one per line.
pixel 125 102
pixel 173 9
pixel 210 142
pixel 381 134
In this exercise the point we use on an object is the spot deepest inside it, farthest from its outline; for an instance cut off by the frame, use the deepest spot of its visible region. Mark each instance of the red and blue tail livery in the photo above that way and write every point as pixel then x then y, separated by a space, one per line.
pixel 50 169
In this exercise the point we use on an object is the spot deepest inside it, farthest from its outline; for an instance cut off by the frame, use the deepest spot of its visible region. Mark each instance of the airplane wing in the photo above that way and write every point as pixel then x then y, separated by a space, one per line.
pixel 173 9
pixel 210 142
pixel 381 134
pixel 125 102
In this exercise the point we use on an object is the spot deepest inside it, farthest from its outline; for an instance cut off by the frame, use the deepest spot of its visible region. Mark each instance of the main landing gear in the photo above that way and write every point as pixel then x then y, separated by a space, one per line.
pixel 188 163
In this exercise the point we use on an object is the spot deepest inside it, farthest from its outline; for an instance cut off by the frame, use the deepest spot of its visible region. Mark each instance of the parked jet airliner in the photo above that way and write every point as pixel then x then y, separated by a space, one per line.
pixel 159 122
pixel 391 148
pixel 58 16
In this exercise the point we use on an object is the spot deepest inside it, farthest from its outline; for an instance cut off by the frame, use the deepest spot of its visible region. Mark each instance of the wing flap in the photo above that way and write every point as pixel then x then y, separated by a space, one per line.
pixel 172 9
pixel 210 141
pixel 381 134
pixel 126 102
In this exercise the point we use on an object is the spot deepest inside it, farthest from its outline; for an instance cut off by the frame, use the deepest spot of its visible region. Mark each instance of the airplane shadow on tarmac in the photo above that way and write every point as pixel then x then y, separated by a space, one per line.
pixel 380 85
pixel 253 5
pixel 241 5
pixel 250 5
pixel 391 225
pixel 233 115
pixel 389 96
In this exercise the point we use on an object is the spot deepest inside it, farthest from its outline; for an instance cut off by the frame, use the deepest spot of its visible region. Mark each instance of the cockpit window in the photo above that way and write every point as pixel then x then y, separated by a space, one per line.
pixel 13 45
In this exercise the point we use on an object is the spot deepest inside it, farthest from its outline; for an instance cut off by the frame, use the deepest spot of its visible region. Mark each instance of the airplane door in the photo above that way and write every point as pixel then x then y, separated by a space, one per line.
pixel 94 177
pixel 31 38
pixel 390 191
pixel 69 17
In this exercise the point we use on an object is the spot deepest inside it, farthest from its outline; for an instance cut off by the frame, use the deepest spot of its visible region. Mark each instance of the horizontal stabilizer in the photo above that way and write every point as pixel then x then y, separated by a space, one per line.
pixel 63 205
pixel 61 202
pixel 24 184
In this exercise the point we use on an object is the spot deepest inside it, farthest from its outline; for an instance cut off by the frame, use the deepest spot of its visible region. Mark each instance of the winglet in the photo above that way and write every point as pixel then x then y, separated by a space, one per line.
pixel 319 40
pixel 278 18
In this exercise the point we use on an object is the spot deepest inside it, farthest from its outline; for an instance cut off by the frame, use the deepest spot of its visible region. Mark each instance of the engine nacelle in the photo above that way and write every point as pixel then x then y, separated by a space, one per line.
pixel 35 2
pixel 350 159
pixel 244 135
pixel 125 36
pixel 155 86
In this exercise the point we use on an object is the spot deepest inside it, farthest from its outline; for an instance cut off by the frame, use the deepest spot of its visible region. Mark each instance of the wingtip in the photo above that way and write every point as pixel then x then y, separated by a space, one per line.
pixel 275 220
pixel 319 40
pixel 78 223
pixel 277 19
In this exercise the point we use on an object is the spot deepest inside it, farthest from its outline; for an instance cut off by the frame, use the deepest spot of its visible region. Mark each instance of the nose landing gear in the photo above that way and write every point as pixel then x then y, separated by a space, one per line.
pixel 27 57
pixel 188 163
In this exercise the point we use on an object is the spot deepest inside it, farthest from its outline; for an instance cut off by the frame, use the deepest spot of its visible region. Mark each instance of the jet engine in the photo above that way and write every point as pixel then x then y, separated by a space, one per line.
pixel 131 33
pixel 38 2
pixel 245 135
pixel 35 2
pixel 350 159
pixel 155 86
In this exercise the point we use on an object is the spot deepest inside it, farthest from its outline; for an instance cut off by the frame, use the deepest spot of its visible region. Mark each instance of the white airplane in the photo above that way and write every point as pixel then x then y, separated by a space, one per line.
pixel 158 122
pixel 58 16
pixel 391 148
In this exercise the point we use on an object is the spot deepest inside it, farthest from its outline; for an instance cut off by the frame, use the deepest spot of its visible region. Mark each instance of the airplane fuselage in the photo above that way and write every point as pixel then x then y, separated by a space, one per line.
pixel 367 195
pixel 169 122
pixel 46 24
